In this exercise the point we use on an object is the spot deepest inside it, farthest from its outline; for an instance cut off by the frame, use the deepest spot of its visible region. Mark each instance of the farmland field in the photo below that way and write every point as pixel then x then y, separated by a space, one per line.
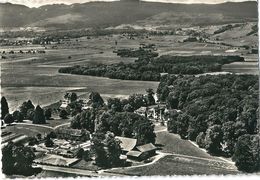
pixel 35 76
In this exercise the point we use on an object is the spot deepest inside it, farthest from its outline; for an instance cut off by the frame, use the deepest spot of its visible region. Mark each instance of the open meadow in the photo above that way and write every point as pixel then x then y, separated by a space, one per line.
pixel 35 76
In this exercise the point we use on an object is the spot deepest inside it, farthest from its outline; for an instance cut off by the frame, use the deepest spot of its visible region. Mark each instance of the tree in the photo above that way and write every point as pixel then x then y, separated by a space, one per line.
pixel 25 107
pixel 128 108
pixel 172 101
pixel 150 98
pixel 114 104
pixel 137 101
pixel 8 119
pixel 8 159
pixel 18 116
pixel 98 147
pixel 172 122
pixel 87 155
pixel 229 137
pixel 71 96
pixel 106 148
pixel 30 114
pixel 32 141
pixel 113 149
pixel 63 114
pixel 4 107
pixel 144 131
pixel 96 100
pixel 48 142
pixel 200 140
pixel 183 124
pixel 80 153
pixel 246 153
pixel 17 159
pixel 84 120
pixel 39 137
pixel 47 113
pixel 213 139
pixel 39 117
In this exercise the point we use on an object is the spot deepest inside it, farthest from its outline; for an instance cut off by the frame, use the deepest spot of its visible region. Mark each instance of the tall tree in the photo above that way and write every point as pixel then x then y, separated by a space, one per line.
pixel 25 107
pixel 98 147
pixel 150 98
pixel 4 107
pixel 96 100
pixel 113 149
pixel 39 117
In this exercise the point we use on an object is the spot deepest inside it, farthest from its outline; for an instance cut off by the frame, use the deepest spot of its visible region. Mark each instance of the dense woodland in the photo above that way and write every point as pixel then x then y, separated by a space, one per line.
pixel 219 112
pixel 148 68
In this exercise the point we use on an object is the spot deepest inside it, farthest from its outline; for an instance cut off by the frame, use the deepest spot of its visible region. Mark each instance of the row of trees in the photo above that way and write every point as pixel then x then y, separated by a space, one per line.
pixel 147 68
pixel 218 112
pixel 26 111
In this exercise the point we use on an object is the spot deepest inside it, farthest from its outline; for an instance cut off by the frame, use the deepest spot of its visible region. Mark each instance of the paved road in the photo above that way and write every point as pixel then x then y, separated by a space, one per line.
pixel 77 171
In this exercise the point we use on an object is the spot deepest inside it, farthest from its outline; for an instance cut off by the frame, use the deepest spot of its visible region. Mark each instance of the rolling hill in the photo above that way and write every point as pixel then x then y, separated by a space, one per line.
pixel 106 14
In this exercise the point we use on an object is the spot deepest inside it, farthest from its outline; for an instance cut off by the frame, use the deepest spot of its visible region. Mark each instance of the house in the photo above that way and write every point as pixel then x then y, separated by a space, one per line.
pixel 134 152
pixel 127 144
pixel 142 152
pixel 153 112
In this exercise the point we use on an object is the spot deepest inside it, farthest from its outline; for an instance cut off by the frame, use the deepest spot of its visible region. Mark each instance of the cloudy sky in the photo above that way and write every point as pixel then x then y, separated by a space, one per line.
pixel 37 3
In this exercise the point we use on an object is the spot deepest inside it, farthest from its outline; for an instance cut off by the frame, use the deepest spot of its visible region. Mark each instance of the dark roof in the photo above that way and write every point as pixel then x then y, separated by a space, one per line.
pixel 127 144
pixel 146 147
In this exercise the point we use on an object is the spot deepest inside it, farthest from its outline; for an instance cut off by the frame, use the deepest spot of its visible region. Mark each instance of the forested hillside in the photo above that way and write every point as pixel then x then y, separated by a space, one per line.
pixel 219 112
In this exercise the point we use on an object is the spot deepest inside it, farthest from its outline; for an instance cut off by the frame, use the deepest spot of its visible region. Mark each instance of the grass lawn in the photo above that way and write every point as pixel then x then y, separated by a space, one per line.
pixel 170 165
pixel 28 130
pixel 172 143
pixel 56 122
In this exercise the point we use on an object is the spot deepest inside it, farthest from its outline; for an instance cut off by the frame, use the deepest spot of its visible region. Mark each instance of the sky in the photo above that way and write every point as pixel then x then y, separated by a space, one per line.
pixel 37 3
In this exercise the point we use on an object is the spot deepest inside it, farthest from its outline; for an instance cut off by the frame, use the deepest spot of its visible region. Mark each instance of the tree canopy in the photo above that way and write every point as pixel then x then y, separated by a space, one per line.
pixel 4 107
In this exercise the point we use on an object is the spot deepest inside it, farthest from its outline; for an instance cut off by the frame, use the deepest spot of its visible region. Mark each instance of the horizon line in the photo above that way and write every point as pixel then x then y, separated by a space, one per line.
pixel 110 1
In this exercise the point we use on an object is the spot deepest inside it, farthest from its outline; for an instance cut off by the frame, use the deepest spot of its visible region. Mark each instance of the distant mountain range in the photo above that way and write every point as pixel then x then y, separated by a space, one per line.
pixel 107 14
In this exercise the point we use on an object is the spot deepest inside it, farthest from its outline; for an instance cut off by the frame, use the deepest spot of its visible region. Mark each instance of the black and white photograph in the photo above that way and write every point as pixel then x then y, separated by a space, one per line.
pixel 129 88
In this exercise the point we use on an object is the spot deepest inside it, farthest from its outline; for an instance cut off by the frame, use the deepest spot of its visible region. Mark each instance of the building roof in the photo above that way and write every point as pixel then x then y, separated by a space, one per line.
pixel 134 153
pixel 141 109
pixel 127 144
pixel 55 160
pixel 146 147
